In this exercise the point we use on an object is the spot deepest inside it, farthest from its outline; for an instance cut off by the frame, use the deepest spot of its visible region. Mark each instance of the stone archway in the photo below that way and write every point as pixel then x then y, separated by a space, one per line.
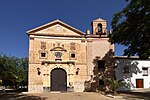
pixel 58 80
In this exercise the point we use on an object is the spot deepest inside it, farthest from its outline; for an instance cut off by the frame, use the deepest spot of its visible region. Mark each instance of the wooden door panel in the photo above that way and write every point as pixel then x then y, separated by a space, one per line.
pixel 139 83
pixel 58 80
pixel 54 81
pixel 62 80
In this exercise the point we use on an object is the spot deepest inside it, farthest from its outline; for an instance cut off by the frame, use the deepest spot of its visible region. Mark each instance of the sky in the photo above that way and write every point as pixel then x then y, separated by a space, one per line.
pixel 19 16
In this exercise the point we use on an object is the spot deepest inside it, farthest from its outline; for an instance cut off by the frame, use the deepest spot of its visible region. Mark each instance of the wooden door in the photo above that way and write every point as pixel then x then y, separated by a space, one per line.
pixel 58 80
pixel 139 83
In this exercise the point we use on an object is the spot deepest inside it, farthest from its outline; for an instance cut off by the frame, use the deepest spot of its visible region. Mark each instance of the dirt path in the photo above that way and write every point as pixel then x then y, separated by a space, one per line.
pixel 55 96
pixel 74 96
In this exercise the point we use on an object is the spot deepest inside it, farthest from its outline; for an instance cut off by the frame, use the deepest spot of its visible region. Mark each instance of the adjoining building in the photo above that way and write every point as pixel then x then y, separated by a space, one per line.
pixel 62 58
pixel 134 71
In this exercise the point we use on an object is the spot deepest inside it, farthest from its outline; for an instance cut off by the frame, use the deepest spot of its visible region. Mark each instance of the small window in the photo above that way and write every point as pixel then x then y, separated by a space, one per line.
pixel 101 64
pixel 126 69
pixel 145 71
pixel 43 54
pixel 101 82
pixel 73 55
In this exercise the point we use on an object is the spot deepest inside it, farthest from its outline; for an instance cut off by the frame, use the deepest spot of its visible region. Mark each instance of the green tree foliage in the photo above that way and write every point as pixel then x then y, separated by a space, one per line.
pixel 131 28
pixel 13 70
pixel 115 84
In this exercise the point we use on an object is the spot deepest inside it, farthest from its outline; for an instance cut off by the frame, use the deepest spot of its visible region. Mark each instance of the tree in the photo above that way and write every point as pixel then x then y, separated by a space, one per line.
pixel 13 70
pixel 22 72
pixel 7 69
pixel 131 28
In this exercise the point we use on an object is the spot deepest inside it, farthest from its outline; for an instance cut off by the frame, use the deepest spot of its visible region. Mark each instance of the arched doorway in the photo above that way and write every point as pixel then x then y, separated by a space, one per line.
pixel 58 80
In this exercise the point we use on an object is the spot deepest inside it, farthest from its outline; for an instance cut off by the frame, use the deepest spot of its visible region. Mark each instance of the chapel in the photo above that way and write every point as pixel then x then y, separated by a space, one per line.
pixel 65 59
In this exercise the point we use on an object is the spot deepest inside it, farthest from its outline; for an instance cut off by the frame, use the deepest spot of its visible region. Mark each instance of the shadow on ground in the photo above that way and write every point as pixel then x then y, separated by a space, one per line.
pixel 18 96
pixel 136 95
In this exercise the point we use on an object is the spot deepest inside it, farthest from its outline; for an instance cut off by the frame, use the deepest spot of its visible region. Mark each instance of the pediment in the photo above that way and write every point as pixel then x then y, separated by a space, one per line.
pixel 99 20
pixel 56 28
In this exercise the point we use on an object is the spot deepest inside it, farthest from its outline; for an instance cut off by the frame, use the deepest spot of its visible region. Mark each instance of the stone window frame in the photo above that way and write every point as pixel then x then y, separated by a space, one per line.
pixel 70 54
pixel 73 55
pixel 43 54
pixel 145 71
pixel 40 54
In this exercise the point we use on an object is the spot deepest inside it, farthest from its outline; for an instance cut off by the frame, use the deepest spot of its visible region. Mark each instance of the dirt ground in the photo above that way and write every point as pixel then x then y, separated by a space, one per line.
pixel 73 96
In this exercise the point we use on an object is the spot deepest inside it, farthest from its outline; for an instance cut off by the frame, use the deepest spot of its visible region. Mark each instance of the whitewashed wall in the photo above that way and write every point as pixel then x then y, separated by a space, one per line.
pixel 136 72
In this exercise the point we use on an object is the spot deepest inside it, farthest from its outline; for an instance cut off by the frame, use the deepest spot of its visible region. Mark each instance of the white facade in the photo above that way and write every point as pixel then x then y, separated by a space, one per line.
pixel 135 72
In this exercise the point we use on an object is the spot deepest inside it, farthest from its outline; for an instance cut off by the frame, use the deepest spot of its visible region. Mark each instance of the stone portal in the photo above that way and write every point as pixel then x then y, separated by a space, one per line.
pixel 58 80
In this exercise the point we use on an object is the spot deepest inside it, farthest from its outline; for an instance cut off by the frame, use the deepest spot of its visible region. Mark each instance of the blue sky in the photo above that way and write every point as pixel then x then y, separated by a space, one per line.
pixel 19 16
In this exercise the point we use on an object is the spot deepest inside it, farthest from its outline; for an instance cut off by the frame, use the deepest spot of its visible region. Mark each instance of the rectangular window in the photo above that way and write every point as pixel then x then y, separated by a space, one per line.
pixel 145 71
pixel 43 54
pixel 73 55
pixel 101 82
pixel 101 64
pixel 126 69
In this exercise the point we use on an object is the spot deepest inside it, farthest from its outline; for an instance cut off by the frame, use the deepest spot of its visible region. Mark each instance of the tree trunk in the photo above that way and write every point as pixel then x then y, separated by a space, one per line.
pixel 115 93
